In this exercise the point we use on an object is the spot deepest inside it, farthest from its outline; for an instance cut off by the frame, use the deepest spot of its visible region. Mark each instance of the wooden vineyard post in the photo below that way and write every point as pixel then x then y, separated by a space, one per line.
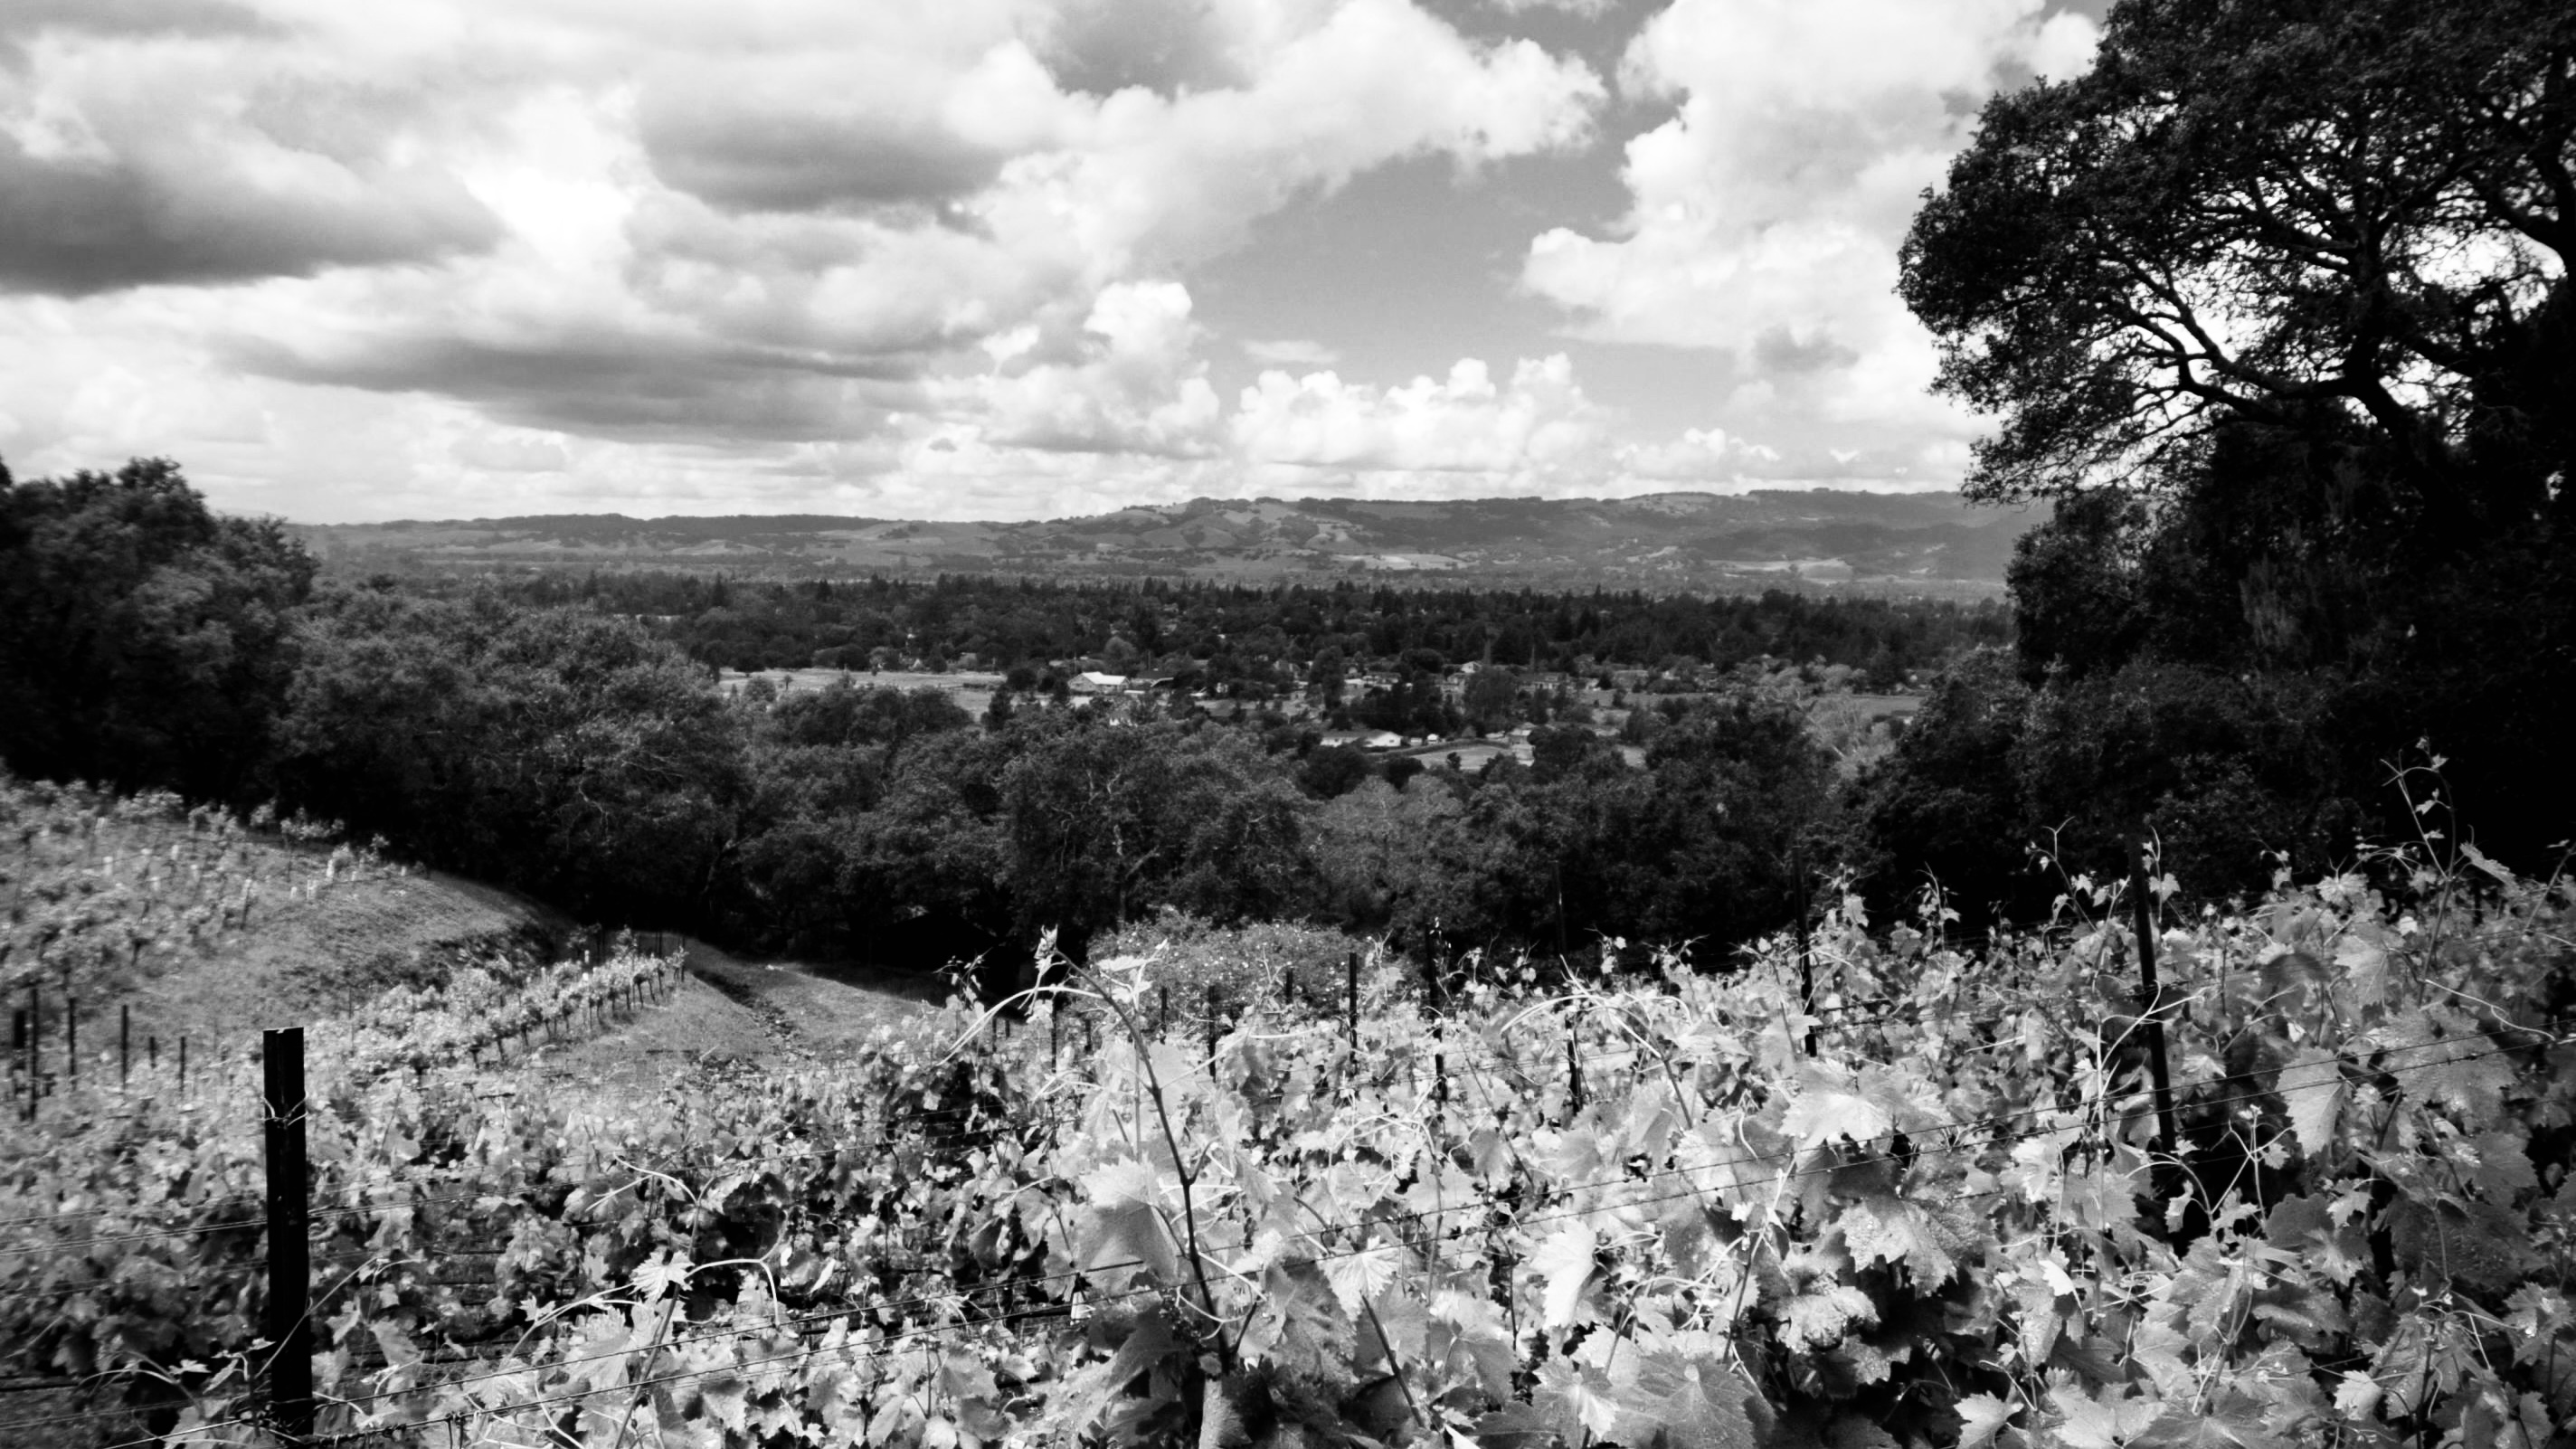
pixel 183 1066
pixel 1573 1075
pixel 2167 1135
pixel 71 1037
pixel 290 1268
pixel 1211 1027
pixel 124 1044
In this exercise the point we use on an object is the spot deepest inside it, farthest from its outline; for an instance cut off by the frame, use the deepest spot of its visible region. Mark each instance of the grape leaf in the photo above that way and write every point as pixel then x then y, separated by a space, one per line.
pixel 1892 1230
pixel 2504 1169
pixel 662 1272
pixel 1564 1261
pixel 1575 1400
pixel 1981 1417
pixel 2364 965
pixel 1678 1400
pixel 1824 1114
pixel 723 1396
pixel 2105 1422
pixel 1819 1320
pixel 2312 1088
pixel 1360 1277
pixel 1294 1326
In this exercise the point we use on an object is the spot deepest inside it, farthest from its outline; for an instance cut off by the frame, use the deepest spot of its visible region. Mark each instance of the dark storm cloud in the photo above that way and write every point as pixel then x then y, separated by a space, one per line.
pixel 22 20
pixel 619 388
pixel 739 157
pixel 77 226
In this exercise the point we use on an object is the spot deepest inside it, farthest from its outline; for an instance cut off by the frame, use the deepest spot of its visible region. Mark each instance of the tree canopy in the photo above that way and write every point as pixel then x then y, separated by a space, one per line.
pixel 2348 220
pixel 141 634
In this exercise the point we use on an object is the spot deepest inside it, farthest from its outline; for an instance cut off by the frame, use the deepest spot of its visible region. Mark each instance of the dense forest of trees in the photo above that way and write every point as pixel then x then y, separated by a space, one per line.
pixel 1254 642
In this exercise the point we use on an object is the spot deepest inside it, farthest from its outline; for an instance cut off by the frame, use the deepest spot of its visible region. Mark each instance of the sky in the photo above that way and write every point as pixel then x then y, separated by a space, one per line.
pixel 981 258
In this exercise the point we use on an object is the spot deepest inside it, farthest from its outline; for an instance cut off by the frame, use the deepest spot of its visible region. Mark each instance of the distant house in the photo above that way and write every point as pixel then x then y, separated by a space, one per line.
pixel 1092 681
pixel 1384 740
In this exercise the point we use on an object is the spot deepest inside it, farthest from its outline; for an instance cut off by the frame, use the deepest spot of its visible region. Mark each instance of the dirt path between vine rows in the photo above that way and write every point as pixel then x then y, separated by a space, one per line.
pixel 734 1012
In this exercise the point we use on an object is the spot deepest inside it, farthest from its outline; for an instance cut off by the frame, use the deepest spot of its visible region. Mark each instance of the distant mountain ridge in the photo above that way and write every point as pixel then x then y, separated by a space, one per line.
pixel 1820 538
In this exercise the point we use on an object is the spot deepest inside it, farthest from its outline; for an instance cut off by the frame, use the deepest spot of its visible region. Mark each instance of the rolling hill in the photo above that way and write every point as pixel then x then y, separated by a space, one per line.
pixel 1875 542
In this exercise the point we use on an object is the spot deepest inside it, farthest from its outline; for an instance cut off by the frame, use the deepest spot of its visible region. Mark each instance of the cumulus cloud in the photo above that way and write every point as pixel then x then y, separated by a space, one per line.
pixel 1699 455
pixel 1133 383
pixel 1290 352
pixel 1537 424
pixel 739 228
pixel 930 258
pixel 500 452
pixel 1766 211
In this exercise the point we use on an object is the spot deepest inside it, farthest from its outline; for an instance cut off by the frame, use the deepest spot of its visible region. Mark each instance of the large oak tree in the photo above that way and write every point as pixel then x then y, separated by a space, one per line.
pixel 2346 219
pixel 2274 302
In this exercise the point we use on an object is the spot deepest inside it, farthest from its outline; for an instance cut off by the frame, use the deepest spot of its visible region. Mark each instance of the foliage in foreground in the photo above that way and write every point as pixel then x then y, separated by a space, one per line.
pixel 1945 1225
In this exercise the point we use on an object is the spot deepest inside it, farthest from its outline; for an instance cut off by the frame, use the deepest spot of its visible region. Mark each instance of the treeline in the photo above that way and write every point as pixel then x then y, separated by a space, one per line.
pixel 565 748
pixel 1245 640
pixel 570 753
pixel 568 749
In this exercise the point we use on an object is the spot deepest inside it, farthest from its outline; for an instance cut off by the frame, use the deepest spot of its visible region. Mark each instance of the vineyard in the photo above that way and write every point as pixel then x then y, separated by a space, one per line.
pixel 140 932
pixel 1875 1187
pixel 104 888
